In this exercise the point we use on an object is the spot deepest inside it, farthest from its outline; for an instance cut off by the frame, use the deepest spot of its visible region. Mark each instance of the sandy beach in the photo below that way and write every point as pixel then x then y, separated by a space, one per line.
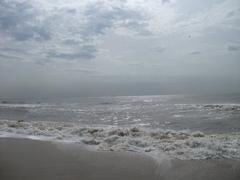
pixel 119 90
pixel 22 159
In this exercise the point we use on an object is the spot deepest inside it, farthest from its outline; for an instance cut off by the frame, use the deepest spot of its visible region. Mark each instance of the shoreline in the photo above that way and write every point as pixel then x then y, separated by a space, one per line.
pixel 184 145
pixel 34 159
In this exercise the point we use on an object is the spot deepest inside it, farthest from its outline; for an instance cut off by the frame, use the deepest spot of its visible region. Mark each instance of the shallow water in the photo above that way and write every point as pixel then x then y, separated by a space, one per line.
pixel 153 142
pixel 210 114
pixel 182 127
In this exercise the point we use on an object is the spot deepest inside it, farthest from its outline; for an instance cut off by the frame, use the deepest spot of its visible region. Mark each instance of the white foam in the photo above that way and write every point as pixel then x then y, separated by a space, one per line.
pixel 174 144
pixel 177 115
pixel 21 105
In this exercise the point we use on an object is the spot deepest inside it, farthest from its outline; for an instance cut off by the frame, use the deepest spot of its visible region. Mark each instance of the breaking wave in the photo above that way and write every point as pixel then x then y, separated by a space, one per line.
pixel 175 144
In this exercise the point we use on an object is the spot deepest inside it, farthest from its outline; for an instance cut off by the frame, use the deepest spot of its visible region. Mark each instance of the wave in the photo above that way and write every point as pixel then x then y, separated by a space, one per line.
pixel 175 144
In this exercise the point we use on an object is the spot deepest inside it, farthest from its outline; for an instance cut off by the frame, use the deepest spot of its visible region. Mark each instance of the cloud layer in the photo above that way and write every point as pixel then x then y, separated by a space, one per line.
pixel 115 39
pixel 70 30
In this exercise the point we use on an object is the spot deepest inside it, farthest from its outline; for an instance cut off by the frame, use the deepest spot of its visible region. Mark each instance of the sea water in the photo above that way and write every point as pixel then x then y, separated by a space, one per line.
pixel 183 127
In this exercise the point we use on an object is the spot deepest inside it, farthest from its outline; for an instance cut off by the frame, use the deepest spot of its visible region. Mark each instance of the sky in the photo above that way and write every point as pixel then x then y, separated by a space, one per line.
pixel 119 47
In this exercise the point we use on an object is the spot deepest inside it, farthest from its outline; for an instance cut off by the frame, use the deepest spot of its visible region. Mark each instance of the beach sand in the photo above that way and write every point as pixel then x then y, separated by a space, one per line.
pixel 22 159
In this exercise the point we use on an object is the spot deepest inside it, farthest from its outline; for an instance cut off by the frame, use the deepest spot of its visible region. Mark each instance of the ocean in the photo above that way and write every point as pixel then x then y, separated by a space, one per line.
pixel 181 126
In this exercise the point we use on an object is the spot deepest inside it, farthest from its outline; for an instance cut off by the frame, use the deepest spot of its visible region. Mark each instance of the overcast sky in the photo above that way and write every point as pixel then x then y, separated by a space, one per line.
pixel 119 47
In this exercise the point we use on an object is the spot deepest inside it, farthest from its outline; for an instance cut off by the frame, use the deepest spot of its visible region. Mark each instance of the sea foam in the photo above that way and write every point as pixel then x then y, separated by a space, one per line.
pixel 174 144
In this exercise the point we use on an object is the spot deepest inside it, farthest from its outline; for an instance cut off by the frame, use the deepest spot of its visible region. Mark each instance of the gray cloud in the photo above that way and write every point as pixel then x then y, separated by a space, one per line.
pixel 7 57
pixel 233 48
pixel 84 71
pixel 12 50
pixel 160 49
pixel 19 20
pixel 71 42
pixel 195 53
pixel 86 52
pixel 10 55
pixel 165 1
pixel 230 14
pixel 100 19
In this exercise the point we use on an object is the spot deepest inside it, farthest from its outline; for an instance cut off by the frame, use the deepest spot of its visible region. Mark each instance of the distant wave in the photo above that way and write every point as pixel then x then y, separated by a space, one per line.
pixel 178 106
pixel 175 144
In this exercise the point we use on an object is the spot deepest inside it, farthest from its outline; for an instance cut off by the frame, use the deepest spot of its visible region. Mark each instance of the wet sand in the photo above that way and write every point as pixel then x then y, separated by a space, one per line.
pixel 22 159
